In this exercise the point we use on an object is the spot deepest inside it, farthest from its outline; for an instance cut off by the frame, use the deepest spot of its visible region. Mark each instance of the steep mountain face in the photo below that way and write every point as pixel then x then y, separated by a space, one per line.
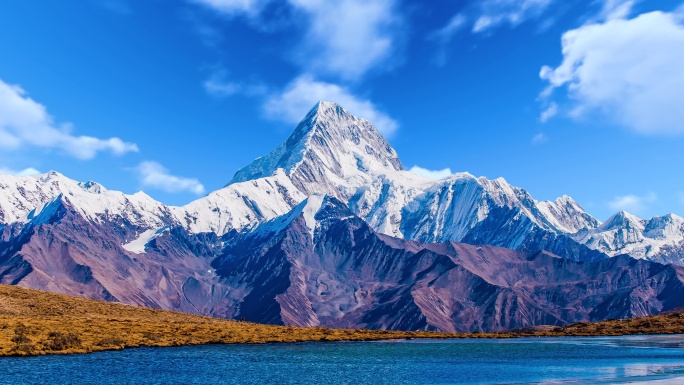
pixel 322 265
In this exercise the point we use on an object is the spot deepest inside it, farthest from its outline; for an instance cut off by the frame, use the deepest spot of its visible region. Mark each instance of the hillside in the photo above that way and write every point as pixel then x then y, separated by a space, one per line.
pixel 34 322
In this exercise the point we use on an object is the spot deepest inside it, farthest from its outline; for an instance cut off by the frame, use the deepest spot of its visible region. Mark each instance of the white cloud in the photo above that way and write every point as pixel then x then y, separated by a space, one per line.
pixel 432 174
pixel 444 35
pixel 304 92
pixel 632 203
pixel 630 71
pixel 26 123
pixel 616 9
pixel 454 25
pixel 220 89
pixel 345 38
pixel 348 37
pixel 25 172
pixel 540 138
pixel 217 85
pixel 154 175
pixel 234 7
pixel 494 13
pixel 549 112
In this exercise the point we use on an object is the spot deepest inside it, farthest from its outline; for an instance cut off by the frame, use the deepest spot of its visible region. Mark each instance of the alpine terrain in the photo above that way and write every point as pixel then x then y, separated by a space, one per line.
pixel 330 229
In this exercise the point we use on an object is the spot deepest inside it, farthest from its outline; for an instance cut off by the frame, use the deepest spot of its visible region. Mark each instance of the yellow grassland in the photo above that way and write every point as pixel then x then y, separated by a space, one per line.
pixel 34 322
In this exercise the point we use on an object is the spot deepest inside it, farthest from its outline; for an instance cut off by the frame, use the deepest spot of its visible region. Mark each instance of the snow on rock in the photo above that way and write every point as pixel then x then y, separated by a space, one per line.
pixel 310 209
pixel 19 196
pixel 240 205
pixel 567 215
pixel 624 233
pixel 137 246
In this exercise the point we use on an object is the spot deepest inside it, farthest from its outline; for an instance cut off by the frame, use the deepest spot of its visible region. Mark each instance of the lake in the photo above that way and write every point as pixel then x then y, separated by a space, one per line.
pixel 605 360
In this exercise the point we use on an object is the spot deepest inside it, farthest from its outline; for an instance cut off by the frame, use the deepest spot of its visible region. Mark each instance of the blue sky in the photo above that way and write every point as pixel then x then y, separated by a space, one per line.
pixel 582 98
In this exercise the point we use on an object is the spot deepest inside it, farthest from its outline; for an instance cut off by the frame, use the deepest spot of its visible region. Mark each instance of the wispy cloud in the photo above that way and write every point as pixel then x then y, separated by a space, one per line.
pixel 432 174
pixel 626 70
pixel 487 15
pixel 25 172
pixel 217 85
pixel 221 89
pixel 615 9
pixel 292 104
pixel 445 35
pixel 154 175
pixel 549 112
pixel 26 123
pixel 495 13
pixel 540 138
pixel 634 204
pixel 454 25
pixel 234 7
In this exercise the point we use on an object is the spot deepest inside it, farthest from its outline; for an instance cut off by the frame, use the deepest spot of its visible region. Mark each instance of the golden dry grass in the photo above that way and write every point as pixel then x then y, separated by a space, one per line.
pixel 34 322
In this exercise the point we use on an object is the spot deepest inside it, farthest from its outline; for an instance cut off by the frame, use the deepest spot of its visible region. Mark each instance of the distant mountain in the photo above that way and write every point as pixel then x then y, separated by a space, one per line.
pixel 659 238
pixel 334 153
pixel 330 229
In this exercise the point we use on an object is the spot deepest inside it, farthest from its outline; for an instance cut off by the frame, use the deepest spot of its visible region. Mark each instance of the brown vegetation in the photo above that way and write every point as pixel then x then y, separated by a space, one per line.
pixel 34 322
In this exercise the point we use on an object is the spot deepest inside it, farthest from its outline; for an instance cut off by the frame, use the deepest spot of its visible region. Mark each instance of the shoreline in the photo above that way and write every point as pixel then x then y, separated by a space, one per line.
pixel 34 322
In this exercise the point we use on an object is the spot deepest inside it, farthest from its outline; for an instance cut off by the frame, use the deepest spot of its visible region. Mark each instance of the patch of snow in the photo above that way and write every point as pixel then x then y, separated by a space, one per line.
pixel 137 246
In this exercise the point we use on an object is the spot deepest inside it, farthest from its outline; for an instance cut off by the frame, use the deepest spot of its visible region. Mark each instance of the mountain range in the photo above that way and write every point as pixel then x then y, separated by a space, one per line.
pixel 330 229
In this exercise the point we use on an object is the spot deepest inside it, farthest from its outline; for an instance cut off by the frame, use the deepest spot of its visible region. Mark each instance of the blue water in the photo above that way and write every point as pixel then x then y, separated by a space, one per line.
pixel 528 360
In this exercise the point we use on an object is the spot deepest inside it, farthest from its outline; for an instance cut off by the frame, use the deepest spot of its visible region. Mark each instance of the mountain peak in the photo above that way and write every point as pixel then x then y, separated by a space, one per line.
pixel 329 144
pixel 623 219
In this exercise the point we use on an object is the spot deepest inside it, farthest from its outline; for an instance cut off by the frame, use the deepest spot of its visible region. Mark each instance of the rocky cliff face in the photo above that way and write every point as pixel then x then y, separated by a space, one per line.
pixel 322 265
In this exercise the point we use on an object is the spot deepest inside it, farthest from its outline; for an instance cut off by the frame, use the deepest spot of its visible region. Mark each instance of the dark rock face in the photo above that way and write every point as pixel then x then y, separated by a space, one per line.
pixel 346 275
pixel 65 253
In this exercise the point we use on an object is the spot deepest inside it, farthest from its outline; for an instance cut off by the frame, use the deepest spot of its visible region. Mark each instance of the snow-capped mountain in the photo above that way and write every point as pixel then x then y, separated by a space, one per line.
pixel 330 229
pixel 659 238
pixel 334 153
pixel 22 198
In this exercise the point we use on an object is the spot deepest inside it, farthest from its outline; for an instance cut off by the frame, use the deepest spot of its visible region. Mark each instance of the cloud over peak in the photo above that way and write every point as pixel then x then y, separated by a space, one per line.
pixel 292 104
pixel 432 174
pixel 632 203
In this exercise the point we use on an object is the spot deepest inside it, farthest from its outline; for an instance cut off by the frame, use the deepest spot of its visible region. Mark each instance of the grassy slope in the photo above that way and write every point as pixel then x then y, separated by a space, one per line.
pixel 34 322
